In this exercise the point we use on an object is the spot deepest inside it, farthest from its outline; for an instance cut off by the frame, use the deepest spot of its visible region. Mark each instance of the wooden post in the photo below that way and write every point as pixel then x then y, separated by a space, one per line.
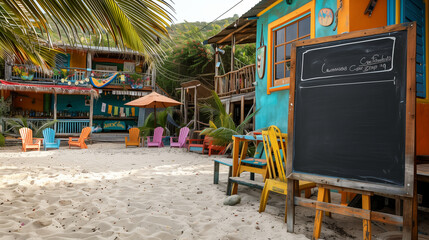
pixel 242 110
pixel 232 52
pixel 8 69
pixel 319 214
pixel 91 109
pixel 235 153
pixel 88 63
pixel 181 99
pixel 55 110
pixel 153 76
pixel 195 108
pixel 366 204
pixel 254 110
pixel 216 70
pixel 186 106
pixel 290 205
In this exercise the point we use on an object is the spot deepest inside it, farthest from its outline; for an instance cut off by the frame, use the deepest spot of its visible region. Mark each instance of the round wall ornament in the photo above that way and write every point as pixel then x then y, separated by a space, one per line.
pixel 326 17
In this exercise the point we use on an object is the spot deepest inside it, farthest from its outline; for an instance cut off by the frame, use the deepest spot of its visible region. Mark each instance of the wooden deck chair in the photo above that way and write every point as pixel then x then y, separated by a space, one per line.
pixel 49 140
pixel 256 164
pixel 134 139
pixel 275 147
pixel 213 148
pixel 81 139
pixel 28 142
pixel 156 139
pixel 199 145
pixel 181 140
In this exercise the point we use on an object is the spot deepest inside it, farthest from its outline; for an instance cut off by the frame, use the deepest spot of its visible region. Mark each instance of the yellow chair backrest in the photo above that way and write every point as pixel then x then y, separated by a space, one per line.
pixel 84 134
pixel 26 135
pixel 275 144
pixel 134 134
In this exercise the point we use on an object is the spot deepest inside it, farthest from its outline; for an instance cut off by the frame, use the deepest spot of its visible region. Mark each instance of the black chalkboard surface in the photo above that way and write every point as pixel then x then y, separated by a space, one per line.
pixel 349 110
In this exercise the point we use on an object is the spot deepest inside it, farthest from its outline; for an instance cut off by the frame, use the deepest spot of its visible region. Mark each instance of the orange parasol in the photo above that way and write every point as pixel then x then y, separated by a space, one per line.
pixel 153 100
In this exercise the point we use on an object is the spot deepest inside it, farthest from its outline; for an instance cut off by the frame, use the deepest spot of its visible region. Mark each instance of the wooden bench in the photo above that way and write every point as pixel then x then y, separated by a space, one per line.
pixel 243 181
pixel 228 162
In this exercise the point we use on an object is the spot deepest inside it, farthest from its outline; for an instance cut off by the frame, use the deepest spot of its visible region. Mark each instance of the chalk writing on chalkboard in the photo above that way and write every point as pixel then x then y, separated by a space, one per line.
pixel 347 59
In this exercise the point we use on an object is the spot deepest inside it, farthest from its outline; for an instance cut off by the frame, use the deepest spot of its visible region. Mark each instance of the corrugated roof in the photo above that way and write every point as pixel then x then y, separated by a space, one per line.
pixel 243 29
pixel 259 7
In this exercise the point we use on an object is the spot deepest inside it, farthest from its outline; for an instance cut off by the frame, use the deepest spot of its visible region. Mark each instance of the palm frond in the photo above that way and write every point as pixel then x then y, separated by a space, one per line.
pixel 27 26
pixel 38 132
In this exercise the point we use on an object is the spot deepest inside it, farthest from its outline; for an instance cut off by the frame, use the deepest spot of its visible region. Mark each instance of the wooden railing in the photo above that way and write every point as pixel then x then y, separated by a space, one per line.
pixel 69 126
pixel 68 76
pixel 62 126
pixel 234 82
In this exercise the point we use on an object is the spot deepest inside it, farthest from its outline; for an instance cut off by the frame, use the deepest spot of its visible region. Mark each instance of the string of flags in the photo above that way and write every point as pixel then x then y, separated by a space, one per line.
pixel 118 111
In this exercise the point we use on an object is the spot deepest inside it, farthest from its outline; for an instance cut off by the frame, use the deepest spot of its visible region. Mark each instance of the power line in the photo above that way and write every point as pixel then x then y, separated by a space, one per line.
pixel 221 15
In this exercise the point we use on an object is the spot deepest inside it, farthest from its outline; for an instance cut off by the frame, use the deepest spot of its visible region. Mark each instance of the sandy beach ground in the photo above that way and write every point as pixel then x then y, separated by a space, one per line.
pixel 110 192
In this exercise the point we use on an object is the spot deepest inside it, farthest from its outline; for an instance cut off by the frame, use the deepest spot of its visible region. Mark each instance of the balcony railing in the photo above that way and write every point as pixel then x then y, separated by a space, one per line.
pixel 75 76
pixel 235 82
pixel 62 126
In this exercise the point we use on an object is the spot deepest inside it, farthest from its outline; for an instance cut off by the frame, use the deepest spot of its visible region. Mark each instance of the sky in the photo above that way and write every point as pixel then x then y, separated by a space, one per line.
pixel 209 10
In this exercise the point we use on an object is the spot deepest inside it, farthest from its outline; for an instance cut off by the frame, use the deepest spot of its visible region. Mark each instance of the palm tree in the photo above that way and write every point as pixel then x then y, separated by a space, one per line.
pixel 222 126
pixel 28 26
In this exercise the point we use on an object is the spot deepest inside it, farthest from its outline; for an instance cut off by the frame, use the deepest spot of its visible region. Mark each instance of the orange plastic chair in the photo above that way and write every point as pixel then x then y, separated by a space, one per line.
pixel 81 139
pixel 134 138
pixel 28 142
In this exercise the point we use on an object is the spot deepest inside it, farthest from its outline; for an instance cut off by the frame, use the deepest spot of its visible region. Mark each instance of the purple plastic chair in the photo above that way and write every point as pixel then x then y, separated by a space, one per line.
pixel 156 139
pixel 184 131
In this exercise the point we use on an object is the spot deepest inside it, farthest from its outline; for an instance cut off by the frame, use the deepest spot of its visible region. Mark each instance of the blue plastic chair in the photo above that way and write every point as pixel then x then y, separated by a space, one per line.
pixel 49 139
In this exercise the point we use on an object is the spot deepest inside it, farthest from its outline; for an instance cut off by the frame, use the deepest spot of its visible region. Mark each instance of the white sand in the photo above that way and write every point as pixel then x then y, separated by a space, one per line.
pixel 110 192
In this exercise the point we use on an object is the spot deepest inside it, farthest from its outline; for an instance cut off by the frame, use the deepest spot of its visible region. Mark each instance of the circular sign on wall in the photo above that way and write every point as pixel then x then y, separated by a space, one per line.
pixel 326 17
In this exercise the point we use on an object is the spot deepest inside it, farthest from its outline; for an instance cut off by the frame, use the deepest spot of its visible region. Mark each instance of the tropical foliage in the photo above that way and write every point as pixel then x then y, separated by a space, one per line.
pixel 187 57
pixel 16 124
pixel 27 28
pixel 2 140
pixel 222 126
pixel 161 121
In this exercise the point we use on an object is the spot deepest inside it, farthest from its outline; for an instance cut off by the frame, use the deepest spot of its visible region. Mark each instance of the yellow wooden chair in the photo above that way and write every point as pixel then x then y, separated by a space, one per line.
pixel 28 142
pixel 275 150
pixel 134 138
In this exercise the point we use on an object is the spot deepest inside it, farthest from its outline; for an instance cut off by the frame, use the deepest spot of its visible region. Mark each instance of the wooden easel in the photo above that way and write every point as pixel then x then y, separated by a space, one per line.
pixel 322 205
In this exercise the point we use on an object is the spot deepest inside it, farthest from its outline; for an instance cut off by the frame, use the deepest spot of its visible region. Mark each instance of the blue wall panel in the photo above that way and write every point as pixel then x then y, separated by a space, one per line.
pixel 78 103
pixel 414 10
pixel 322 31
pixel 273 108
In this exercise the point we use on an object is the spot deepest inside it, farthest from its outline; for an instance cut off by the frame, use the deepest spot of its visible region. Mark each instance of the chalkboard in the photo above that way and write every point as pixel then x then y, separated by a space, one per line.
pixel 351 114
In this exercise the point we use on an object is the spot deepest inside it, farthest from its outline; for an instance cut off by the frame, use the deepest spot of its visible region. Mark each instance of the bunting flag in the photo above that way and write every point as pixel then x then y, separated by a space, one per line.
pixel 103 107
pixel 133 112
pixel 127 112
pixel 109 109
pixel 115 111
pixel 121 110
pixel 99 82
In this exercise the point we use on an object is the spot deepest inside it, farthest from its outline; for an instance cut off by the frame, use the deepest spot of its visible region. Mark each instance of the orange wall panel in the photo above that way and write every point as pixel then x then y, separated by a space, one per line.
pixel 360 21
pixel 77 59
pixel 28 101
pixel 351 17
pixel 422 129
pixel 5 94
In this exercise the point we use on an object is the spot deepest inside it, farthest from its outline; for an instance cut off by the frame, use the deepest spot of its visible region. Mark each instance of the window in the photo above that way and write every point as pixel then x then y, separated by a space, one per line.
pixel 283 38
pixel 299 24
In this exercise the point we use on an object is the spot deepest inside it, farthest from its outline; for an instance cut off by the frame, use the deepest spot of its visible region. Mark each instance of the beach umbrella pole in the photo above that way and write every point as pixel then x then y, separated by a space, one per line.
pixel 154 114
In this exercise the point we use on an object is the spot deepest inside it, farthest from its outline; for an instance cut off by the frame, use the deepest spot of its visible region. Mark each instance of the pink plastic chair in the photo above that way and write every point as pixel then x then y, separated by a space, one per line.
pixel 181 139
pixel 156 139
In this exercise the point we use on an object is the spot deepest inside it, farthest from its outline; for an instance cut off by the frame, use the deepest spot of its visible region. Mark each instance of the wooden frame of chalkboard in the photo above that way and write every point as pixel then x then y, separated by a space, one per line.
pixel 400 182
